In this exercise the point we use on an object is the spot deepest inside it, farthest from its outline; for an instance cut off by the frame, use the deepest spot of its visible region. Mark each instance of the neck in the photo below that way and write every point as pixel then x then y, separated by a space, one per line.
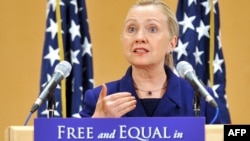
pixel 149 82
pixel 149 77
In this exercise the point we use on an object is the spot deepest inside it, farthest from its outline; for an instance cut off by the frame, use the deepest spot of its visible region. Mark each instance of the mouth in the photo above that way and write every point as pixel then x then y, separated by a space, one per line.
pixel 140 50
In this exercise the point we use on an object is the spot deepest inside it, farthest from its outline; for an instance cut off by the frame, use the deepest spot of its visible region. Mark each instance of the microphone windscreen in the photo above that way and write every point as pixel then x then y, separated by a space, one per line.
pixel 183 67
pixel 64 68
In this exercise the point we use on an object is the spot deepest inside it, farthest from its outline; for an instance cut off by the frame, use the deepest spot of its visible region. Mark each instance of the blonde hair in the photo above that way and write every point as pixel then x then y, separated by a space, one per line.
pixel 172 23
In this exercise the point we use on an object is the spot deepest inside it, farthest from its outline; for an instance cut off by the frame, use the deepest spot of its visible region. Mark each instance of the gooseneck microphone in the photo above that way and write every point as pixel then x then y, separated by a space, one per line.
pixel 186 71
pixel 62 70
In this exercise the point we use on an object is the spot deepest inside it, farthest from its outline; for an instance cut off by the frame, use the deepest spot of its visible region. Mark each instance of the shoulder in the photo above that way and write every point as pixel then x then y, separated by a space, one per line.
pixel 176 81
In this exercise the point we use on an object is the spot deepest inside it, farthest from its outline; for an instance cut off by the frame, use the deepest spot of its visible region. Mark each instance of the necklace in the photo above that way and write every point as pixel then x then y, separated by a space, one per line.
pixel 150 92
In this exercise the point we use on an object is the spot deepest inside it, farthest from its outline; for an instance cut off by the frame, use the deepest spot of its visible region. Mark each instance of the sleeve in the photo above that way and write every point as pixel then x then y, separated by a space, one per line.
pixel 89 104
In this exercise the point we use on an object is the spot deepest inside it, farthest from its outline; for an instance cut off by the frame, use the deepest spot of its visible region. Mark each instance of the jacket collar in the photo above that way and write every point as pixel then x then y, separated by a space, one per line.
pixel 170 100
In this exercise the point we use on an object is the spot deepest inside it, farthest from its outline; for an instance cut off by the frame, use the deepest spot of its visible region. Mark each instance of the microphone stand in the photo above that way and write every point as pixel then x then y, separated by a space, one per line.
pixel 51 105
pixel 197 104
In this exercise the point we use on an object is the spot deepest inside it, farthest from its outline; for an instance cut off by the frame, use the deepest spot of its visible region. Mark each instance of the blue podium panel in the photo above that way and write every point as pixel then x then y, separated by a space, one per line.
pixel 129 129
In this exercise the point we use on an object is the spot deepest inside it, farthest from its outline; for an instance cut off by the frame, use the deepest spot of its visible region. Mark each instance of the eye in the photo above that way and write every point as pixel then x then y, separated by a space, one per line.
pixel 131 29
pixel 152 29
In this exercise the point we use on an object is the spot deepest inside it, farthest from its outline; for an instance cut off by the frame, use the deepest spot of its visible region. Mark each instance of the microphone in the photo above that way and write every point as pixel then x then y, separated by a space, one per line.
pixel 186 71
pixel 62 70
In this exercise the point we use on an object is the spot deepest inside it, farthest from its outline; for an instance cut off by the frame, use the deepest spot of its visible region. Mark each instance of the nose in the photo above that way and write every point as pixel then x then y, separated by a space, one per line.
pixel 141 37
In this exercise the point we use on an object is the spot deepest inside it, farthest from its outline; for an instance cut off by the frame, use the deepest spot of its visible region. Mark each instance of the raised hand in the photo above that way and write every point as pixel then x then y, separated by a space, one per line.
pixel 113 105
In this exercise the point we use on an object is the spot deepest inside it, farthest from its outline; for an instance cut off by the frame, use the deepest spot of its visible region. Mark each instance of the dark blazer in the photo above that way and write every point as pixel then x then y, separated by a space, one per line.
pixel 177 101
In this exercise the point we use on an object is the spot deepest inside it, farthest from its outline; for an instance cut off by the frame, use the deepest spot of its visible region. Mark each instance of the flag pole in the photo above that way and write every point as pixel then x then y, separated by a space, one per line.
pixel 61 50
pixel 211 44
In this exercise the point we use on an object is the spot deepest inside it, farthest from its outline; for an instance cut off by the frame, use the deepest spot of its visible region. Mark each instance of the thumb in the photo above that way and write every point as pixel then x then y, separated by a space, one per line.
pixel 103 92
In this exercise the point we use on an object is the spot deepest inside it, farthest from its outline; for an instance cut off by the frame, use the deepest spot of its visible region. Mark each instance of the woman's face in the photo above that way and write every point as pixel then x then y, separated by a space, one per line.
pixel 146 39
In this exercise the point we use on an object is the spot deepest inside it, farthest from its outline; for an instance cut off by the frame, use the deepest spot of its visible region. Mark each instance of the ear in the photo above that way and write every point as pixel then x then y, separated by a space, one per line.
pixel 173 43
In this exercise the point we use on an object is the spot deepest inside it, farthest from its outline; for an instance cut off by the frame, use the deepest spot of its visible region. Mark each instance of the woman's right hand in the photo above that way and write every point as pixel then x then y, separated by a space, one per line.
pixel 113 105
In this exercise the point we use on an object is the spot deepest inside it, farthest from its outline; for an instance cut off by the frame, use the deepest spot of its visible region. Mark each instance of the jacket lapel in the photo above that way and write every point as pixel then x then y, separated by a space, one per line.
pixel 170 101
pixel 126 84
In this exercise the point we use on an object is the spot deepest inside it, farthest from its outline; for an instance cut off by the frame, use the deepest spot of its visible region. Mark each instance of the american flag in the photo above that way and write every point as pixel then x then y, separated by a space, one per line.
pixel 200 44
pixel 67 38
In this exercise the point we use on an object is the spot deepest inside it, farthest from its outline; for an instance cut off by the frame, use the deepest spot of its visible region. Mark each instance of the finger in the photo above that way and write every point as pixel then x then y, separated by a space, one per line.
pixel 126 107
pixel 123 103
pixel 129 108
pixel 103 92
pixel 100 108
pixel 123 100
pixel 119 95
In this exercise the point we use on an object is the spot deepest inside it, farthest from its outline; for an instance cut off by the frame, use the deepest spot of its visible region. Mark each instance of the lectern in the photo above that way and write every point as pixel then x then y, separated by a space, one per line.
pixel 117 127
